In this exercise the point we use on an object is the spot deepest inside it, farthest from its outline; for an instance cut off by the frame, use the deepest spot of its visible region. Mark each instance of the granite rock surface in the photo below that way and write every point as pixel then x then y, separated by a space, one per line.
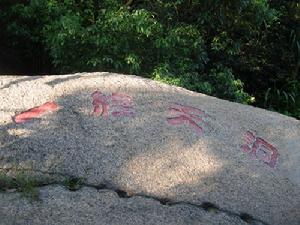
pixel 146 138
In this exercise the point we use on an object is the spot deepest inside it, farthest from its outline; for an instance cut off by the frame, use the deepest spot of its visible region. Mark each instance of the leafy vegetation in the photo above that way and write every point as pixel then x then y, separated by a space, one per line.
pixel 21 182
pixel 246 51
pixel 73 183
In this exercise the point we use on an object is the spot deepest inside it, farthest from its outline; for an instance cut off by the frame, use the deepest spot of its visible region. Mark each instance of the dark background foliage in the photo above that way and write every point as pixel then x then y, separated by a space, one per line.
pixel 246 51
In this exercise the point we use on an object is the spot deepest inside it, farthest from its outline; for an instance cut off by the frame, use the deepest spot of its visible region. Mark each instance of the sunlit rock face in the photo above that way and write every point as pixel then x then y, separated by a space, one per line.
pixel 145 137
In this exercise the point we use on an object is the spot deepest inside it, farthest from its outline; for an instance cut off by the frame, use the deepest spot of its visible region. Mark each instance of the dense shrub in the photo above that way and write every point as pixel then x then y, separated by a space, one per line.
pixel 246 50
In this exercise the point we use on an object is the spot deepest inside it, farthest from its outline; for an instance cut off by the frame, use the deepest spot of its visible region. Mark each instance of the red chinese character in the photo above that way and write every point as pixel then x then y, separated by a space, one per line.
pixel 187 115
pixel 121 104
pixel 260 149
pixel 36 112
pixel 100 103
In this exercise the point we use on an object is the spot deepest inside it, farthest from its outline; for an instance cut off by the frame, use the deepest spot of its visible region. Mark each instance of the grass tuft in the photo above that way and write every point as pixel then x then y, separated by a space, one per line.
pixel 22 182
pixel 73 183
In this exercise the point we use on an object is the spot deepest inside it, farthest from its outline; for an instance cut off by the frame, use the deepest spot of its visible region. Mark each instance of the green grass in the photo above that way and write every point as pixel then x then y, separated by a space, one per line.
pixel 73 183
pixel 22 182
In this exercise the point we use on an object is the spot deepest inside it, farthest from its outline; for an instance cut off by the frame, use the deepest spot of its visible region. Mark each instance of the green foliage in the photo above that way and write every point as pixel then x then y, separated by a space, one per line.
pixel 73 183
pixel 286 101
pixel 241 50
pixel 219 82
pixel 22 183
pixel 225 85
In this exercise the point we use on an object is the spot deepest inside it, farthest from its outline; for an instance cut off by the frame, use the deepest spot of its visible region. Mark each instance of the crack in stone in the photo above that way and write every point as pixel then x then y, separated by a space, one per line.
pixel 207 206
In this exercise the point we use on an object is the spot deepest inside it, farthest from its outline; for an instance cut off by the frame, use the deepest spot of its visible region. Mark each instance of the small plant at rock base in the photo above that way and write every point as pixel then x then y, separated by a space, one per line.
pixel 73 183
pixel 22 183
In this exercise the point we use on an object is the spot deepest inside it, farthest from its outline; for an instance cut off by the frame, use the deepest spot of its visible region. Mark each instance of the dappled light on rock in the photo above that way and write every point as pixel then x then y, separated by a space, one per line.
pixel 116 137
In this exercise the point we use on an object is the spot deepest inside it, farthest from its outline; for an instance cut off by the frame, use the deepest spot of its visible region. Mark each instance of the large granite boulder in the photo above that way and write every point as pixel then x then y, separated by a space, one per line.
pixel 159 144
